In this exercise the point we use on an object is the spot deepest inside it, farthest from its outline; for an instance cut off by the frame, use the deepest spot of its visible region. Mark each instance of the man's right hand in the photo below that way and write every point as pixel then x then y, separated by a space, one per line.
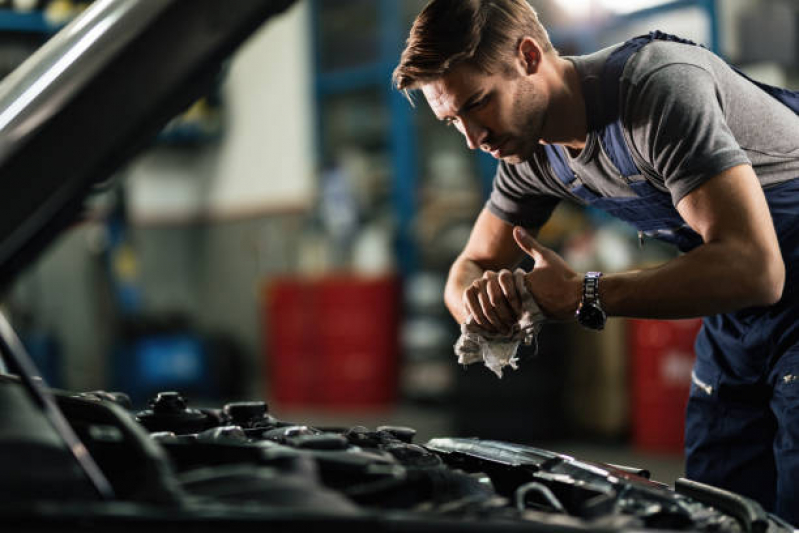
pixel 493 301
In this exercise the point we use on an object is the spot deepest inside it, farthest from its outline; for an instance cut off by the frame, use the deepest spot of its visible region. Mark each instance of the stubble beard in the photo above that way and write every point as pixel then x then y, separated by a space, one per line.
pixel 531 110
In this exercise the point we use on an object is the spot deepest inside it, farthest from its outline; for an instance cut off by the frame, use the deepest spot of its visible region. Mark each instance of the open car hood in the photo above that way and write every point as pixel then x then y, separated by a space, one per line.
pixel 97 93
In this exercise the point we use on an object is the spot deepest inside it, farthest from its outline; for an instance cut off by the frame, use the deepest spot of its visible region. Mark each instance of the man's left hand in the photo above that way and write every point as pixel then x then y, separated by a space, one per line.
pixel 555 286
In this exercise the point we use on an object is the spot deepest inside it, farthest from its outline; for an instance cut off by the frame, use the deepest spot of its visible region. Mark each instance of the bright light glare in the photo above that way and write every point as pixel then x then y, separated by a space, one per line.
pixel 628 6
pixel 583 8
pixel 576 8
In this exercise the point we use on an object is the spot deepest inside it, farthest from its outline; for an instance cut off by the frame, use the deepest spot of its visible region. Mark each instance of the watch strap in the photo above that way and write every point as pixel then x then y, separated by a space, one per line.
pixel 590 313
pixel 591 287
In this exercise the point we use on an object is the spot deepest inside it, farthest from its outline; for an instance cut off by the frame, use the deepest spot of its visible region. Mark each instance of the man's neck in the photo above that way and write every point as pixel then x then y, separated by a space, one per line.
pixel 566 118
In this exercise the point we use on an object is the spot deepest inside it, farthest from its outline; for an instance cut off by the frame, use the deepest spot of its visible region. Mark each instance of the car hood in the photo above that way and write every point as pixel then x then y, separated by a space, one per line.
pixel 96 94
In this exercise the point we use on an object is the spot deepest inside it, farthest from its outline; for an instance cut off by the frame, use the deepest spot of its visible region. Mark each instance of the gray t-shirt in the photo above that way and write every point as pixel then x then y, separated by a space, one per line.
pixel 686 117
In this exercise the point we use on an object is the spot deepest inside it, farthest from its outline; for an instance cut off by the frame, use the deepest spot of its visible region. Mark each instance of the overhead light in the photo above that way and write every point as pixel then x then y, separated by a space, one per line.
pixel 629 6
pixel 576 8
pixel 585 8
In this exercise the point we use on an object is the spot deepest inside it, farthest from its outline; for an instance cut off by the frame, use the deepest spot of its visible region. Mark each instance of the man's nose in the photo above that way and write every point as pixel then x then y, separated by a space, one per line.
pixel 475 134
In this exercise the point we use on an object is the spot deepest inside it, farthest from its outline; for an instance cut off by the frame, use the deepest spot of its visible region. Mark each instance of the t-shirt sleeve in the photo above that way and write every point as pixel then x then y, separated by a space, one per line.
pixel 676 118
pixel 515 199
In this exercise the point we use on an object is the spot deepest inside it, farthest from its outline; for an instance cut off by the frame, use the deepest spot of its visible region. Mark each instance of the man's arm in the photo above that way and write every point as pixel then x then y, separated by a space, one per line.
pixel 739 265
pixel 480 282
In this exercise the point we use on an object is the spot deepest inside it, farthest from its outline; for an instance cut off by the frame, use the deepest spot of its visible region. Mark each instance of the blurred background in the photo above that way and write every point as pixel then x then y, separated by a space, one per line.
pixel 287 238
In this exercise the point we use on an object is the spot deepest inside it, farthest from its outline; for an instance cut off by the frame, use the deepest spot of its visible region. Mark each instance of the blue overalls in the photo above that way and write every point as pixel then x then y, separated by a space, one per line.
pixel 742 421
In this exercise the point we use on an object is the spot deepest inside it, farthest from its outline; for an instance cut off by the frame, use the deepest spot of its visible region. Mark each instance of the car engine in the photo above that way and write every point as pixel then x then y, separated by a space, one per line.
pixel 242 465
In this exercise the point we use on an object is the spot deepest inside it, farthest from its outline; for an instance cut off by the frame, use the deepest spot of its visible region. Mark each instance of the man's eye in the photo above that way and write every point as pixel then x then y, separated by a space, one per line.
pixel 479 103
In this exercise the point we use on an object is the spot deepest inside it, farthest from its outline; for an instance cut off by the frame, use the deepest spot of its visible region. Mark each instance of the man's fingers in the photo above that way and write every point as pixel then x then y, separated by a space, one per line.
pixel 508 286
pixel 494 301
pixel 499 299
pixel 489 311
pixel 472 303
pixel 479 306
pixel 500 303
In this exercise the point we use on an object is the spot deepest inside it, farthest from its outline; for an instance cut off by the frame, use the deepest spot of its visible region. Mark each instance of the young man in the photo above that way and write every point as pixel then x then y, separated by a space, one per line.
pixel 668 137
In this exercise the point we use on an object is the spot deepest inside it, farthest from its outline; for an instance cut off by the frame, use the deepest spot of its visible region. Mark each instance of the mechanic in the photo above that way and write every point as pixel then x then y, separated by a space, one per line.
pixel 665 135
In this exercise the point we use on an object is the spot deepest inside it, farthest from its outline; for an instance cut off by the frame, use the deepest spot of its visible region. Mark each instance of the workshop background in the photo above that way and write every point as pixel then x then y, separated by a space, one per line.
pixel 287 238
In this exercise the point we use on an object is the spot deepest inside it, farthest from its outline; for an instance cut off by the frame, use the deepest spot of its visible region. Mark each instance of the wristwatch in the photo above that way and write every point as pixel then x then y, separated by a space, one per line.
pixel 590 313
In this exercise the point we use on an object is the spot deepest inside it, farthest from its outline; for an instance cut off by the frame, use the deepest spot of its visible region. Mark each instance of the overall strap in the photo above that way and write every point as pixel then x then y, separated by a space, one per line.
pixel 559 163
pixel 650 209
pixel 609 122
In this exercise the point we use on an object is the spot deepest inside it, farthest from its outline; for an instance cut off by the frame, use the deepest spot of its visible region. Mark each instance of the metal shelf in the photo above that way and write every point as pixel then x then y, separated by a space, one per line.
pixel 401 135
pixel 351 79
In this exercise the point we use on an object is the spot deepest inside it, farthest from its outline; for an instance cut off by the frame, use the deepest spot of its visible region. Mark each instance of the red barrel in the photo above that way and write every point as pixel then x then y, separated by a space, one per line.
pixel 661 358
pixel 332 342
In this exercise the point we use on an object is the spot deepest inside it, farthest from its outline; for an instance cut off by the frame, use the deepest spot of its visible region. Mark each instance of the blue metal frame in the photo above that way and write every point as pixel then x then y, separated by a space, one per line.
pixel 350 79
pixel 402 137
pixel 318 93
pixel 709 6
pixel 586 35
pixel 32 21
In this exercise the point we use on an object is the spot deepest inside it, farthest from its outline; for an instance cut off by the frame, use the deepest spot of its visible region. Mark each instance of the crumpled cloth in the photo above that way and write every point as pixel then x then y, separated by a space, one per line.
pixel 495 350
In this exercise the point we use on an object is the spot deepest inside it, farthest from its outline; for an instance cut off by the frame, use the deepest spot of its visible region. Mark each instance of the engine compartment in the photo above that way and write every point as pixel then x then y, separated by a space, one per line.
pixel 241 465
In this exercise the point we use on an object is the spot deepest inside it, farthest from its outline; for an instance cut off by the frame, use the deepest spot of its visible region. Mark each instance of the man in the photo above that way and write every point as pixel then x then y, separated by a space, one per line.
pixel 667 136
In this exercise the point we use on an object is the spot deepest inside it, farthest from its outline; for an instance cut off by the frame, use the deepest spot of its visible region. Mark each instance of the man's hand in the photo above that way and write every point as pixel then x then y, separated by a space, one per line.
pixel 493 301
pixel 479 271
pixel 495 304
pixel 554 285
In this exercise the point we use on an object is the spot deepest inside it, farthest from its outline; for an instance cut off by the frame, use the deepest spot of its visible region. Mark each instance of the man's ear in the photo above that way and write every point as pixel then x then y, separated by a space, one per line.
pixel 528 56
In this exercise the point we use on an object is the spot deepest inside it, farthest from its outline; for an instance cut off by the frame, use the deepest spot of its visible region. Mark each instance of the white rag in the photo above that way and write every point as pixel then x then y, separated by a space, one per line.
pixel 499 350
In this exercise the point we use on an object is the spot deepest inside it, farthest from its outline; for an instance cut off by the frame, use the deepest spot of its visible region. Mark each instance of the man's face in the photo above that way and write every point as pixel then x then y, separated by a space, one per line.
pixel 502 114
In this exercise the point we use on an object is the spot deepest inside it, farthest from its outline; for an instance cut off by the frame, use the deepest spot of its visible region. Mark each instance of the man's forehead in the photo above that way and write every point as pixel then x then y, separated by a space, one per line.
pixel 439 98
pixel 448 93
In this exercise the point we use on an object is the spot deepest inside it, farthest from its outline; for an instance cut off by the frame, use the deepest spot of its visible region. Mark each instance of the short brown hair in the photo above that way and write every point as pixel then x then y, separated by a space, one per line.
pixel 450 32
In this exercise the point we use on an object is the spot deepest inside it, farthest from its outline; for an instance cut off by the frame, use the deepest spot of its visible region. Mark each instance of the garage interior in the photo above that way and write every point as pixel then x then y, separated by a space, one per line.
pixel 287 238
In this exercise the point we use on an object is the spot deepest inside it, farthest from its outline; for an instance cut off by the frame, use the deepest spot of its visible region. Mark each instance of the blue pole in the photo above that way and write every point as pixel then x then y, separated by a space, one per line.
pixel 402 138
pixel 319 94
pixel 711 8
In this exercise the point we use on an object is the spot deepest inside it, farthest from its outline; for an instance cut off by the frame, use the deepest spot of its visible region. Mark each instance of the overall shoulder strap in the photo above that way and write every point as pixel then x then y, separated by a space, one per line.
pixel 559 164
pixel 610 128
pixel 609 121
pixel 786 96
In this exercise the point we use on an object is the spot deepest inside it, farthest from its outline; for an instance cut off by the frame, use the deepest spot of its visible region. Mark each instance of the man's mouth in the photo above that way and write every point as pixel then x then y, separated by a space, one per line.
pixel 496 150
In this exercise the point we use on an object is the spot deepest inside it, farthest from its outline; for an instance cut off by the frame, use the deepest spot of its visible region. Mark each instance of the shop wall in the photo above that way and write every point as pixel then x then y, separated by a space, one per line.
pixel 206 221
pixel 264 159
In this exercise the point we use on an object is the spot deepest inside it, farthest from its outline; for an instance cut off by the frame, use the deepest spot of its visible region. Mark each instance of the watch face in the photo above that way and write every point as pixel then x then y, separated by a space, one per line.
pixel 592 316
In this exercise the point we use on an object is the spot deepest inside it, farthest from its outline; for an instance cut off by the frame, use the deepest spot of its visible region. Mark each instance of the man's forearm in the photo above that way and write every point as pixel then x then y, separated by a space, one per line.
pixel 714 278
pixel 738 266
pixel 463 272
